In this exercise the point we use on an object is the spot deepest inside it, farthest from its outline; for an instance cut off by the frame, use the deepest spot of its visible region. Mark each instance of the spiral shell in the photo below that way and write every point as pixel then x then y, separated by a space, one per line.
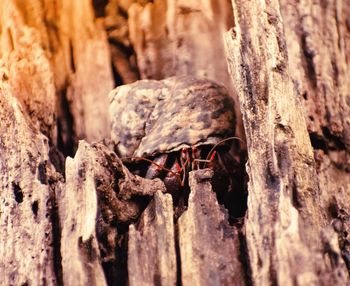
pixel 150 117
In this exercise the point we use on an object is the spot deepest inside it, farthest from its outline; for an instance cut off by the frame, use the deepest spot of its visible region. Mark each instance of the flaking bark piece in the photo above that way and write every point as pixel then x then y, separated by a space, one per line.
pixel 132 185
pixel 151 245
pixel 27 188
pixel 118 190
pixel 78 207
pixel 100 194
pixel 209 246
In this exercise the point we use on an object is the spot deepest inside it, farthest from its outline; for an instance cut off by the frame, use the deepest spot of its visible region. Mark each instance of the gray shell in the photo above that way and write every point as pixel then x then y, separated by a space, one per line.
pixel 150 117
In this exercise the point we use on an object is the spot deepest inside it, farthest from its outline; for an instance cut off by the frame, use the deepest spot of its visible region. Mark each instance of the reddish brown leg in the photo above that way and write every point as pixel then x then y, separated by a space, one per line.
pixel 156 167
pixel 184 164
pixel 196 156
pixel 206 162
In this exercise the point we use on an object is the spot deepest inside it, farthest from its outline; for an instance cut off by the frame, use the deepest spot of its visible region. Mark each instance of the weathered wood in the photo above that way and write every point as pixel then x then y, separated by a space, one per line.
pixel 90 78
pixel 208 245
pixel 26 196
pixel 35 58
pixel 68 64
pixel 28 218
pixel 26 68
pixel 55 74
pixel 285 220
pixel 78 213
pixel 104 191
pixel 151 245
pixel 318 43
pixel 122 52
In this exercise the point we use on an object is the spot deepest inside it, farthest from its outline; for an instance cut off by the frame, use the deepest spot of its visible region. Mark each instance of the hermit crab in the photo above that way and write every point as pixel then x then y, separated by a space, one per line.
pixel 167 128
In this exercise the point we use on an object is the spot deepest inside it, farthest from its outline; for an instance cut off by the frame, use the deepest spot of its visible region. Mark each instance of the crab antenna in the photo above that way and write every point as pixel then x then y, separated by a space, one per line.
pixel 220 142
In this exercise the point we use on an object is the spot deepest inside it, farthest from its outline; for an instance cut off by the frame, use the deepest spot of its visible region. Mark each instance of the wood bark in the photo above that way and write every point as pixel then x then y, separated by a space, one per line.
pixel 28 214
pixel 205 238
pixel 284 191
pixel 46 42
pixel 88 220
pixel 155 232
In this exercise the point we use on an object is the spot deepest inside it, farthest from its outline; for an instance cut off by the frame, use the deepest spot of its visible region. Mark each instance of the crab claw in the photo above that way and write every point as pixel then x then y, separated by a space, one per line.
pixel 184 154
pixel 173 182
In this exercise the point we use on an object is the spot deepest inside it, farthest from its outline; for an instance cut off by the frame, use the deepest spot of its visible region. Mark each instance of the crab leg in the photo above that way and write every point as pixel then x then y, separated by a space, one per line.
pixel 154 170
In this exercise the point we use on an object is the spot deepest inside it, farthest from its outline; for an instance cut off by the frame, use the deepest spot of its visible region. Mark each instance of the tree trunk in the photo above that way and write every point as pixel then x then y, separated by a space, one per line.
pixel 89 220
pixel 284 192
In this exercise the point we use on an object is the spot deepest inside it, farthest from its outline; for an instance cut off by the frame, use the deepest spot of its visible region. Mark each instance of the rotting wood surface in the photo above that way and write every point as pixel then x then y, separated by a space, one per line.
pixel 290 67
pixel 285 220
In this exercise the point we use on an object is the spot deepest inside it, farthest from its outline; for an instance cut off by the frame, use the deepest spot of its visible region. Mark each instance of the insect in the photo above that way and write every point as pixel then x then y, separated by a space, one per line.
pixel 167 128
